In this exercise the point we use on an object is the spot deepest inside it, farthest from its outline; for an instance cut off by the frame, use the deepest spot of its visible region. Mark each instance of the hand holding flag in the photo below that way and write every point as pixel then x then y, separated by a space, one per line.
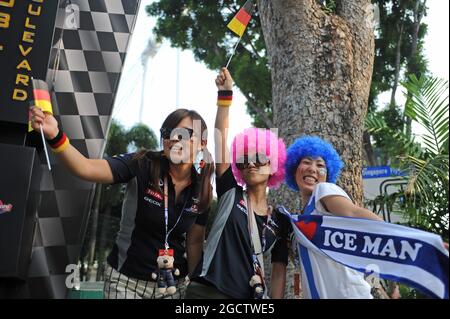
pixel 42 107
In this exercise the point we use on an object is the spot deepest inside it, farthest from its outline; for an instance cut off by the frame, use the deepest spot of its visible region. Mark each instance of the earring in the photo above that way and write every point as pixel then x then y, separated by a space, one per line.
pixel 199 162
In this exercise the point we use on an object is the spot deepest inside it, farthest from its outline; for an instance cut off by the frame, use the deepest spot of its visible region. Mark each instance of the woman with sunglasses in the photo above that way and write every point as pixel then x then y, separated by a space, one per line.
pixel 166 203
pixel 312 168
pixel 245 226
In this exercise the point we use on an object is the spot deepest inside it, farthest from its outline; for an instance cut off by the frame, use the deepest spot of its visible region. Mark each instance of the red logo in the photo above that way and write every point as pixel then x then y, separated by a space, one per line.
pixel 165 252
pixel 5 208
pixel 308 229
pixel 154 194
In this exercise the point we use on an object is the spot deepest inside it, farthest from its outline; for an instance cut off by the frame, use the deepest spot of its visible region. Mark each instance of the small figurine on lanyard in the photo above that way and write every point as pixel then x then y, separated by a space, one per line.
pixel 257 281
pixel 166 272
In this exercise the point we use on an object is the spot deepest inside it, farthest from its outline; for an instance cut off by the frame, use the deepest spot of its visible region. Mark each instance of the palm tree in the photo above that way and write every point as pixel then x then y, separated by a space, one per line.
pixel 426 194
pixel 429 173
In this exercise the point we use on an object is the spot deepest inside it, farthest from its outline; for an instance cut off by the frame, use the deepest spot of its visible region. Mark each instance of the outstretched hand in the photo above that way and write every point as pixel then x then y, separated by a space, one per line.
pixel 48 122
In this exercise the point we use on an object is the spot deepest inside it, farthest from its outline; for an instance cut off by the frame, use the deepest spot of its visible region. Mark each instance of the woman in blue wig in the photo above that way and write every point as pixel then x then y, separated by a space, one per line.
pixel 312 168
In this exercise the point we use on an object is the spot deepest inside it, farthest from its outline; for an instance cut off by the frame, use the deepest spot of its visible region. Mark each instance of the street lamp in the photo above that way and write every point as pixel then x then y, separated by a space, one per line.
pixel 149 52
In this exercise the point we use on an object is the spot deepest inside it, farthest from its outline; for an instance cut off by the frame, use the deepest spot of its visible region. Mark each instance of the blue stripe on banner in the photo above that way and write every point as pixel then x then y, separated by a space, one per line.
pixel 309 272
pixel 404 280
pixel 351 243
pixel 311 206
pixel 415 285
pixel 429 257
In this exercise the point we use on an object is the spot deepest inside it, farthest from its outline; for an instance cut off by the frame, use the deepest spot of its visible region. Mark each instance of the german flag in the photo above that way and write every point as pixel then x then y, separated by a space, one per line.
pixel 41 98
pixel 242 18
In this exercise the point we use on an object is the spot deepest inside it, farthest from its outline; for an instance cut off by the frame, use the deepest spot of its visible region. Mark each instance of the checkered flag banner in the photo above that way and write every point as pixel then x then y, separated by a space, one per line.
pixel 89 47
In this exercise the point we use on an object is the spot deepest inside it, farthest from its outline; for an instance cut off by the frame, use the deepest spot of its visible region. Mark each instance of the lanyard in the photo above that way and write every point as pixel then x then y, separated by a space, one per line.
pixel 166 213
pixel 258 264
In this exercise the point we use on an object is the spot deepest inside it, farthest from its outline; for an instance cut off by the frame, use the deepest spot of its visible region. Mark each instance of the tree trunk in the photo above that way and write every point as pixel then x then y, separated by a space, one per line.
pixel 419 12
pixel 321 69
pixel 368 150
pixel 398 56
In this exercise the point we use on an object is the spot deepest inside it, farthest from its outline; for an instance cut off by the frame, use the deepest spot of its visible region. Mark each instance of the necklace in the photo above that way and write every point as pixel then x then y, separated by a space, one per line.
pixel 166 213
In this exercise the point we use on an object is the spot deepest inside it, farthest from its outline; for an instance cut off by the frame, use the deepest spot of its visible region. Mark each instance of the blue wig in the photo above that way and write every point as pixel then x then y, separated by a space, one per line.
pixel 314 147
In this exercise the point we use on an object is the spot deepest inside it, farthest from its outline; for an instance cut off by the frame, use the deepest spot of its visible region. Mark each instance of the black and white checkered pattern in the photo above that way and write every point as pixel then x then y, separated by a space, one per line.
pixel 85 83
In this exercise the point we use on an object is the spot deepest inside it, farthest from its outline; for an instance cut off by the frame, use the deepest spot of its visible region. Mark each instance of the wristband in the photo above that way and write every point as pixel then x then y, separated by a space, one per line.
pixel 224 98
pixel 59 143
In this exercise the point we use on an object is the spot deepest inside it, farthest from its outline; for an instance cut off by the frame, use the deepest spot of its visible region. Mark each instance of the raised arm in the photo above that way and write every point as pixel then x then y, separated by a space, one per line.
pixel 92 170
pixel 224 83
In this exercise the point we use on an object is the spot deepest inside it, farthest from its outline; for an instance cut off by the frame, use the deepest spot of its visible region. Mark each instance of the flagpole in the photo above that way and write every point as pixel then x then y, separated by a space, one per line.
pixel 45 148
pixel 234 51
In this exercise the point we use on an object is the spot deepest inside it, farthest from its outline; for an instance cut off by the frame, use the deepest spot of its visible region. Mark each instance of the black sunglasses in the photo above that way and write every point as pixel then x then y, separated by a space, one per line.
pixel 258 160
pixel 179 133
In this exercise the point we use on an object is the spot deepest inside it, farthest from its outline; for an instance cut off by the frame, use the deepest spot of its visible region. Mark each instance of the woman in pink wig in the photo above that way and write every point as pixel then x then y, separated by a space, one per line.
pixel 245 227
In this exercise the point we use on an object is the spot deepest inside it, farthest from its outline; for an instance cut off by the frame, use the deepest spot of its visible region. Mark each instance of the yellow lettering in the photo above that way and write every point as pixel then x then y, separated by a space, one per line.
pixel 38 1
pixel 32 12
pixel 24 65
pixel 28 37
pixel 4 20
pixel 22 79
pixel 19 95
pixel 28 24
pixel 8 4
pixel 24 52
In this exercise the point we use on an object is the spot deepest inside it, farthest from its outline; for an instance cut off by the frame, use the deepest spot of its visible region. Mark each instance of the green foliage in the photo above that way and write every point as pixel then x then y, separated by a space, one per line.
pixel 429 107
pixel 328 6
pixel 425 199
pixel 428 184
pixel 201 26
pixel 117 140
pixel 395 39
pixel 424 202
pixel 141 136
pixel 122 141
pixel 392 139
pixel 395 15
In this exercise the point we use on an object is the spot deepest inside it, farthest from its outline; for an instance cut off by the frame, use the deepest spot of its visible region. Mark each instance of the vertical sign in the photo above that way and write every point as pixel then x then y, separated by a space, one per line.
pixel 26 32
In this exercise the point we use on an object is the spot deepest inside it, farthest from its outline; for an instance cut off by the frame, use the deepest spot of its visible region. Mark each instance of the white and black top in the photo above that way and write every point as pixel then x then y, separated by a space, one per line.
pixel 142 226
pixel 227 262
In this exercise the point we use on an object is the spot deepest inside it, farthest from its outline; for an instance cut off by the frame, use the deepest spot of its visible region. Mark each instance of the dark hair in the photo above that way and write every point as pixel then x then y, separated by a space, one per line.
pixel 160 162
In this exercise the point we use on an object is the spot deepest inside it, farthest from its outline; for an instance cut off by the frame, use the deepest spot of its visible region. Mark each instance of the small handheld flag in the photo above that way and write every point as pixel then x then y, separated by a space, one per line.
pixel 240 22
pixel 242 18
pixel 42 101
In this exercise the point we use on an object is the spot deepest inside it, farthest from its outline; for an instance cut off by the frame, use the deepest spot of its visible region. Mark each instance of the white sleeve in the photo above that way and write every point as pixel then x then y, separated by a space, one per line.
pixel 327 189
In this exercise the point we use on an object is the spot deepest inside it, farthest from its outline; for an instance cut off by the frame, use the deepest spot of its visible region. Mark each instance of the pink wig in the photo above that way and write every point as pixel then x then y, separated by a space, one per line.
pixel 256 140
